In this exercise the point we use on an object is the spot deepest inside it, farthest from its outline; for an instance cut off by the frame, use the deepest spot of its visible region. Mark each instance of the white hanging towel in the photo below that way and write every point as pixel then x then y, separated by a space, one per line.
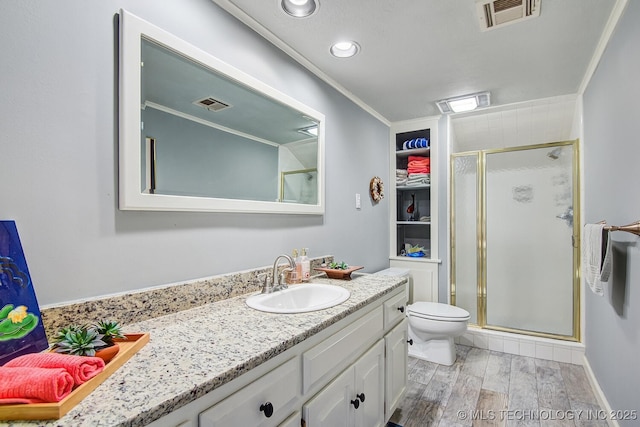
pixel 596 256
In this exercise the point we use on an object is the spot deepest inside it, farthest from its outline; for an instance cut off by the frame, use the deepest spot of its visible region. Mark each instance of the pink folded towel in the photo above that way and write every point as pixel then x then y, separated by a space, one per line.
pixel 81 368
pixel 34 385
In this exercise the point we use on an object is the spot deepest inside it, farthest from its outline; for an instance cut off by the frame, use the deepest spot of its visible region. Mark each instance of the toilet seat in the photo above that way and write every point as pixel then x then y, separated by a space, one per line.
pixel 438 311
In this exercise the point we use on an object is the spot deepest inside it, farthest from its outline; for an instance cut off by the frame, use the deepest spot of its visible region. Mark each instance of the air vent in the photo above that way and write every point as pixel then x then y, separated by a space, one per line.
pixel 497 13
pixel 212 104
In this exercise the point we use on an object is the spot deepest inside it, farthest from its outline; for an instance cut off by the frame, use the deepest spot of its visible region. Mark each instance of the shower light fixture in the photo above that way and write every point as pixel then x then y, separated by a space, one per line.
pixel 464 103
pixel 299 8
pixel 345 49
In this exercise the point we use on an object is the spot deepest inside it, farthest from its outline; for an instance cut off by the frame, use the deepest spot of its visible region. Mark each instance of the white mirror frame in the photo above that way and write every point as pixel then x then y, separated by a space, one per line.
pixel 132 29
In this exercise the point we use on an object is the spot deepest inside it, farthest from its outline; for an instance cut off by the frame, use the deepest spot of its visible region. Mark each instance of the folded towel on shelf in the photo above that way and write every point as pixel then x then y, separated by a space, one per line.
pixel 81 368
pixel 34 385
pixel 418 164
pixel 419 170
pixel 419 175
pixel 596 256
pixel 418 181
pixel 415 143
pixel 401 177
pixel 419 160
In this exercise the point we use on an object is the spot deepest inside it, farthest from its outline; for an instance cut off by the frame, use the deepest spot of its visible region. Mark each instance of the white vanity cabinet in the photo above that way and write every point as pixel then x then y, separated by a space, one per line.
pixel 354 398
pixel 358 361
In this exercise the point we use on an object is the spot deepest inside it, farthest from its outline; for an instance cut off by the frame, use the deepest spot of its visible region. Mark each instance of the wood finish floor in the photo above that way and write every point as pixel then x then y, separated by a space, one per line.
pixel 487 388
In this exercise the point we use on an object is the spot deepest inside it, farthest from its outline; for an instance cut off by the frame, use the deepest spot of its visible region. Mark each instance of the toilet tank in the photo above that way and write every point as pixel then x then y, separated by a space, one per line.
pixel 396 272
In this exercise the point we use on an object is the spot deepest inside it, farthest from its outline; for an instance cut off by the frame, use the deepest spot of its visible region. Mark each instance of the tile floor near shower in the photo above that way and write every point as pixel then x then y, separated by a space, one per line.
pixel 488 388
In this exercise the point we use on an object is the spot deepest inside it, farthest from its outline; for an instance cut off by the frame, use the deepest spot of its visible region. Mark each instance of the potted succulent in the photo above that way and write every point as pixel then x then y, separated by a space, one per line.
pixel 109 330
pixel 339 270
pixel 89 340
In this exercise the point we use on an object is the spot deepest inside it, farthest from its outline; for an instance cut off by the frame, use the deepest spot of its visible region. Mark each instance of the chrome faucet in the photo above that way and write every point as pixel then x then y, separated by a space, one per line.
pixel 277 282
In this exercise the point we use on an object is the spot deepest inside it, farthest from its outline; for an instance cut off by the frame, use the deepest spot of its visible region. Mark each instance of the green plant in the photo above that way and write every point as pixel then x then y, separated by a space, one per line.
pixel 339 265
pixel 109 330
pixel 85 340
pixel 79 341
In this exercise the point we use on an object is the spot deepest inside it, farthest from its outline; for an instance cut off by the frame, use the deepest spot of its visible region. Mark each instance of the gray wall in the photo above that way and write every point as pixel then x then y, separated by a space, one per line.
pixel 194 159
pixel 58 145
pixel 611 176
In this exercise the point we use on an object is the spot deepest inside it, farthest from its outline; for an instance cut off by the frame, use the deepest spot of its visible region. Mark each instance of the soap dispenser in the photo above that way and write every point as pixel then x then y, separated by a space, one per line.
pixel 305 265
pixel 295 276
pixel 296 258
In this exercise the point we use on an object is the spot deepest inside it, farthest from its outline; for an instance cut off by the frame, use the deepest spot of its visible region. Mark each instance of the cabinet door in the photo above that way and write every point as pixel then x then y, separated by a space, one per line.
pixel 338 351
pixel 332 406
pixel 265 402
pixel 396 367
pixel 369 387
pixel 292 421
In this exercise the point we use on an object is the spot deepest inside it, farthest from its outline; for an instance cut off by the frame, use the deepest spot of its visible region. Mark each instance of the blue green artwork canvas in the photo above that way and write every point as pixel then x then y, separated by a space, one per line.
pixel 21 329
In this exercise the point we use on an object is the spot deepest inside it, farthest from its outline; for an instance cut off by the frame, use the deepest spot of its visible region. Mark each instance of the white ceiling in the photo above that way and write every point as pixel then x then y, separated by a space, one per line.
pixel 415 52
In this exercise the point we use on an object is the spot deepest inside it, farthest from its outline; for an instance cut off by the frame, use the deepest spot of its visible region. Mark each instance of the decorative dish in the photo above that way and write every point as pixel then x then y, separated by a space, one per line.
pixel 339 273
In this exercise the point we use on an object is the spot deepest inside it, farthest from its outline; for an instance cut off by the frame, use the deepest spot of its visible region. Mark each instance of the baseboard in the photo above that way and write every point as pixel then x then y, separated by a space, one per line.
pixel 602 399
pixel 524 345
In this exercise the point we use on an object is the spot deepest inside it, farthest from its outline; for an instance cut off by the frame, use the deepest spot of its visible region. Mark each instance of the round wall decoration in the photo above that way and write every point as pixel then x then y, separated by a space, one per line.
pixel 376 188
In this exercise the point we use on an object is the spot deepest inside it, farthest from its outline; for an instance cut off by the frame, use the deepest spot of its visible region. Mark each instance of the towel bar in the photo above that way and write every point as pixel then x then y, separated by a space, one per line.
pixel 633 228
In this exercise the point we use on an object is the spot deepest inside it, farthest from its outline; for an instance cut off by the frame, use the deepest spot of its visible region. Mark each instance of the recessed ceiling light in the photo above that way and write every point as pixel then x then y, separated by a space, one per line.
pixel 299 8
pixel 460 104
pixel 345 49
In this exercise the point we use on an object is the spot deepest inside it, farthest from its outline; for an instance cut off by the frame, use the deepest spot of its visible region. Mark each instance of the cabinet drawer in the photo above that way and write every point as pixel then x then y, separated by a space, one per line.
pixel 339 350
pixel 277 389
pixel 394 310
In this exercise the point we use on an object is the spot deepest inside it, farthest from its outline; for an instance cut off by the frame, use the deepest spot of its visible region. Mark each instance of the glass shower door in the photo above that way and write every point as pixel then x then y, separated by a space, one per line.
pixel 529 196
pixel 464 234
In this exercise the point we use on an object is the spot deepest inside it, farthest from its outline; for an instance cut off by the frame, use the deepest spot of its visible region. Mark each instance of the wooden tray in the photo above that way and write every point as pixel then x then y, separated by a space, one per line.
pixel 333 273
pixel 49 411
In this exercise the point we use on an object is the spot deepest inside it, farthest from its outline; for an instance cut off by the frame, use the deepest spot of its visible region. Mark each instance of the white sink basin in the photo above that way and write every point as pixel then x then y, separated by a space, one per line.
pixel 300 298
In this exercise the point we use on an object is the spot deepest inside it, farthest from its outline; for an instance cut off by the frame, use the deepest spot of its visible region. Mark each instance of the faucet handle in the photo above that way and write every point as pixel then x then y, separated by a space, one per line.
pixel 282 283
pixel 263 278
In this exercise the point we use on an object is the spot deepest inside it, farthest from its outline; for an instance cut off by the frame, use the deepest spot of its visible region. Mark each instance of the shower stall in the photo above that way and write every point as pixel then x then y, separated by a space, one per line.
pixel 514 239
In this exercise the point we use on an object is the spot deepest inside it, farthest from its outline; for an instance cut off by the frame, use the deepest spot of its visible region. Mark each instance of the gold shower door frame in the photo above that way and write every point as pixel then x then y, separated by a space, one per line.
pixel 481 227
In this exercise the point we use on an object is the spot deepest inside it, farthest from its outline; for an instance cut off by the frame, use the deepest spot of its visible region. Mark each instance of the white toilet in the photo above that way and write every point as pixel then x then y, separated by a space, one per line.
pixel 432 328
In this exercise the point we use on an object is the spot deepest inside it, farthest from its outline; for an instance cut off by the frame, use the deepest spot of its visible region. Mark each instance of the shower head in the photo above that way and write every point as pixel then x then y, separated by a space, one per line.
pixel 554 154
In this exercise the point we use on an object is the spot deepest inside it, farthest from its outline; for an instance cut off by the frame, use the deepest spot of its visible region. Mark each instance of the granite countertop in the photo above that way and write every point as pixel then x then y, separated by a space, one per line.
pixel 161 377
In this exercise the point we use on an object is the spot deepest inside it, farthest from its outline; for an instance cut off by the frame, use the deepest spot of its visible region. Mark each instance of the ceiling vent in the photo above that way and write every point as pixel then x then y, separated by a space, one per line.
pixel 211 104
pixel 498 13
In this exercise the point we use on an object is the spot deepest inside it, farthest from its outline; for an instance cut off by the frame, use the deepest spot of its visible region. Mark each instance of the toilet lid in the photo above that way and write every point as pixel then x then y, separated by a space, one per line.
pixel 438 311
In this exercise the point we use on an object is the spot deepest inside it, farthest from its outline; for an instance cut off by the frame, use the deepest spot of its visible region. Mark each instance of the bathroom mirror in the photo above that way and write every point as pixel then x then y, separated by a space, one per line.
pixel 197 134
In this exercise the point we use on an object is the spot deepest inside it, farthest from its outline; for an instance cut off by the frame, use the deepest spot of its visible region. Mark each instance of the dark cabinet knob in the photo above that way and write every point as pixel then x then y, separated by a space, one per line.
pixel 361 397
pixel 355 403
pixel 410 342
pixel 401 309
pixel 267 408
